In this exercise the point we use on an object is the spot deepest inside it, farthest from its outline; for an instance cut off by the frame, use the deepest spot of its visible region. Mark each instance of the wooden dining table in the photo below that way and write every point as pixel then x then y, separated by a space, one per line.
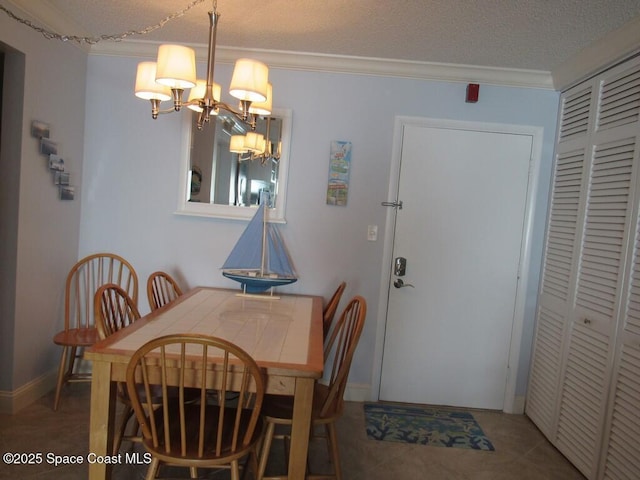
pixel 283 335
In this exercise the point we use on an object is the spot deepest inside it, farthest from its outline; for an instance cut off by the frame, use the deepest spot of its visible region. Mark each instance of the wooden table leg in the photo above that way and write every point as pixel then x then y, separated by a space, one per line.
pixel 102 419
pixel 302 406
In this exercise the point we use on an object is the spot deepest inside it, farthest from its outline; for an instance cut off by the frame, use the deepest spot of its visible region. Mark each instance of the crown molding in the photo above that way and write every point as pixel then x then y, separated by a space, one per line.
pixel 313 62
pixel 600 55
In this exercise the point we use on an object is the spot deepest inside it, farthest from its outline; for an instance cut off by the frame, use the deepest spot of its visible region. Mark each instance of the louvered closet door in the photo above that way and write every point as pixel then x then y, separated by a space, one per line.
pixel 621 458
pixel 558 278
pixel 586 378
pixel 584 389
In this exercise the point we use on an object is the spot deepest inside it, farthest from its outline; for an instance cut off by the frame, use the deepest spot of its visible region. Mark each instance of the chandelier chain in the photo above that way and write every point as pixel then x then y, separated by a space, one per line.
pixel 93 40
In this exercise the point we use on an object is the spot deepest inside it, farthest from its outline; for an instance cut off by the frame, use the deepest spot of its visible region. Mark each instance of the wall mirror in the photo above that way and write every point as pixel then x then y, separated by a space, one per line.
pixel 218 182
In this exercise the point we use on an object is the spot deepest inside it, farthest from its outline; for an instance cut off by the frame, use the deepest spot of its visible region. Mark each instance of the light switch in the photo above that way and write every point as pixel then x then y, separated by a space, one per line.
pixel 372 233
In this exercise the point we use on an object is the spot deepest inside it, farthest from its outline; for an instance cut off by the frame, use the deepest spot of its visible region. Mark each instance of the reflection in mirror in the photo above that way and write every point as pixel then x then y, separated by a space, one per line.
pixel 235 173
pixel 229 168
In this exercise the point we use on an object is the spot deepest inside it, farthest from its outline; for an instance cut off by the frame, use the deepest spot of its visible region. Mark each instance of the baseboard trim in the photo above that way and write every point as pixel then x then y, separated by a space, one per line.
pixel 518 405
pixel 362 393
pixel 12 402
pixel 355 392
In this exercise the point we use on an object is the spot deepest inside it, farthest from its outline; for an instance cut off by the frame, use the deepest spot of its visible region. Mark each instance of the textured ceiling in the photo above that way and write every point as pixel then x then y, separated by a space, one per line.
pixel 526 34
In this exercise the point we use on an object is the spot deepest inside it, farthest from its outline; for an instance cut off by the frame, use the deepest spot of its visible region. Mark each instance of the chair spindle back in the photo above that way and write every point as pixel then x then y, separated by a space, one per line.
pixel 188 431
pixel 161 289
pixel 340 348
pixel 86 277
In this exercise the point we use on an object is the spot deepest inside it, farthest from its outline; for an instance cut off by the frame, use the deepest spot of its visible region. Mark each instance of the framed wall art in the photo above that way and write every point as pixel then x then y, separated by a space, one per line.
pixel 339 169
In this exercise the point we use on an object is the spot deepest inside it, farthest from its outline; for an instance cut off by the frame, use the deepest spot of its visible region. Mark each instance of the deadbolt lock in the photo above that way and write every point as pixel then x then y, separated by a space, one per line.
pixel 400 267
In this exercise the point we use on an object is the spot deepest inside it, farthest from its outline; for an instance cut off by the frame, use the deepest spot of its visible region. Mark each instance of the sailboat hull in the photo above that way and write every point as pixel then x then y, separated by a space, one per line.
pixel 254 284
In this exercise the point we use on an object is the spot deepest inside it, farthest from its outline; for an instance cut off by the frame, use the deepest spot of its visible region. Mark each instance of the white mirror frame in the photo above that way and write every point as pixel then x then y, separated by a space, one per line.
pixel 232 212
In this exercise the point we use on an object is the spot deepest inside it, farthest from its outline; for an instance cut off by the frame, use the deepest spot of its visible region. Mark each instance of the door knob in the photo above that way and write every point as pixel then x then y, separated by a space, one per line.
pixel 400 284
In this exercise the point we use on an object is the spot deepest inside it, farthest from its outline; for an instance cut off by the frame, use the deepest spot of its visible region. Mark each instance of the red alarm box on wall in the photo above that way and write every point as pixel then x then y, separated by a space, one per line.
pixel 473 92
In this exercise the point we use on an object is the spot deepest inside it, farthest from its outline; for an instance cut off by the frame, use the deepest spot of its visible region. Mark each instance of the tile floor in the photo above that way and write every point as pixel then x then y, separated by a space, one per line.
pixel 521 453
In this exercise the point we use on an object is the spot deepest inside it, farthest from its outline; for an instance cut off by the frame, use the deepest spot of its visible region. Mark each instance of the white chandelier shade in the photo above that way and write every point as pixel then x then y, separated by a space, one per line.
pixel 236 144
pixel 263 108
pixel 249 80
pixel 146 86
pixel 176 66
pixel 254 142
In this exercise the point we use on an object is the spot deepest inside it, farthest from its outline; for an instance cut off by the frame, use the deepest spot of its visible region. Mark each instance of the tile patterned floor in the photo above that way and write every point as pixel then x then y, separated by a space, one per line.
pixel 522 452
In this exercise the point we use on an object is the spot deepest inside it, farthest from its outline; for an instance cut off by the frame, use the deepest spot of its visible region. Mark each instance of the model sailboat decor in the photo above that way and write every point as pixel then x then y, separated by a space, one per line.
pixel 260 260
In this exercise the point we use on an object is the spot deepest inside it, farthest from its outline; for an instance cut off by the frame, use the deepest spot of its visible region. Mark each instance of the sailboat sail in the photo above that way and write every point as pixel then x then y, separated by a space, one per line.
pixel 278 260
pixel 247 253
pixel 260 259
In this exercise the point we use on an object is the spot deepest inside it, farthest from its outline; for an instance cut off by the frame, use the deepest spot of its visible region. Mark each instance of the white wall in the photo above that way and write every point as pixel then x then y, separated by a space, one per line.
pixel 45 229
pixel 130 179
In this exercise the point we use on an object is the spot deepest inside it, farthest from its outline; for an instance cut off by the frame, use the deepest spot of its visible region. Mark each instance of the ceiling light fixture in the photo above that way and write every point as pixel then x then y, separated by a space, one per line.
pixel 175 70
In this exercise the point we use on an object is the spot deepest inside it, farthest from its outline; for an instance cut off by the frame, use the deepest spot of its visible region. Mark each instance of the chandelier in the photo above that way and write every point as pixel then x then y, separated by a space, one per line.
pixel 175 70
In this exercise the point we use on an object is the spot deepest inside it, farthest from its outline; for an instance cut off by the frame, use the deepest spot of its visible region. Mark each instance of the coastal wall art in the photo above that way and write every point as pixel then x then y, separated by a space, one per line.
pixel 55 162
pixel 339 169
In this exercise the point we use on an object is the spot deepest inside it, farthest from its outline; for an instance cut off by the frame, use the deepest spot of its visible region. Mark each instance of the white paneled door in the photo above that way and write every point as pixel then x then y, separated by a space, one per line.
pixel 461 227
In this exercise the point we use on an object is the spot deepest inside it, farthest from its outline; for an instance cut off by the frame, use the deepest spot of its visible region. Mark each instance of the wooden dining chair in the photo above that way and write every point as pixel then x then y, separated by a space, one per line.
pixel 328 400
pixel 84 279
pixel 330 309
pixel 201 434
pixel 115 310
pixel 161 289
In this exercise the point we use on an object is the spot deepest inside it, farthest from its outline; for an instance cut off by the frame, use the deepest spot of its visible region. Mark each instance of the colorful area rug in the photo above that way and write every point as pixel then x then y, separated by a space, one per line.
pixel 424 426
